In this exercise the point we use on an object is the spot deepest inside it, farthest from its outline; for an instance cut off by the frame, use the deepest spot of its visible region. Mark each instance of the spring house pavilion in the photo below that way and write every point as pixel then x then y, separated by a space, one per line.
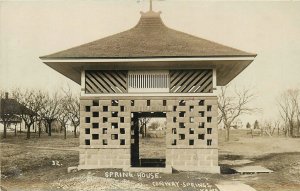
pixel 154 71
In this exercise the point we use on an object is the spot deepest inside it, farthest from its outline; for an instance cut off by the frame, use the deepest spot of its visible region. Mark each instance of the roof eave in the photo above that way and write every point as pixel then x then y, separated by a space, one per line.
pixel 72 68
pixel 49 57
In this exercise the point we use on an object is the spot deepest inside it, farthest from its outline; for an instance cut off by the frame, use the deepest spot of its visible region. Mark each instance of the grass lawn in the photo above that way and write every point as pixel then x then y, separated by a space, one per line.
pixel 241 143
pixel 41 164
pixel 280 154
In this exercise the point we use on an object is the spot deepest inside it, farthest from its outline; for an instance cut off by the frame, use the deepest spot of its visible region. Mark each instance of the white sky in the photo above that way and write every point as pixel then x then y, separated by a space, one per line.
pixel 29 29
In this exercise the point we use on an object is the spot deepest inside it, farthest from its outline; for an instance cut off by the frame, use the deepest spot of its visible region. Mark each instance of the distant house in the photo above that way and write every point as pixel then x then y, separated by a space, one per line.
pixel 238 124
pixel 10 111
pixel 157 130
pixel 13 123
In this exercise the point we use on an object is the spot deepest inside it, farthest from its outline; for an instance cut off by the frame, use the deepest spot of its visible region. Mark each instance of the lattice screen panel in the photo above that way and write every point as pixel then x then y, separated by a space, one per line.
pixel 191 122
pixel 191 81
pixel 105 123
pixel 106 81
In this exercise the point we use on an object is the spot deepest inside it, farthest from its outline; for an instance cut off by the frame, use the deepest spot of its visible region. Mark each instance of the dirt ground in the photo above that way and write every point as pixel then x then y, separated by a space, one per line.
pixel 152 147
pixel 41 164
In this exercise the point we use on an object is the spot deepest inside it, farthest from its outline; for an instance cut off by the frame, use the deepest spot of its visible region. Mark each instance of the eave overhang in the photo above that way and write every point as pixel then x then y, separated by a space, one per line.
pixel 227 68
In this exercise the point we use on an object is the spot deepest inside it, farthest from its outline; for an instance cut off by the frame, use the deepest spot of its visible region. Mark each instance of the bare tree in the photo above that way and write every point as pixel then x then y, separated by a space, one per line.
pixel 231 107
pixel 296 102
pixel 143 121
pixel 289 106
pixel 31 104
pixel 50 110
pixel 64 115
pixel 268 128
pixel 73 109
pixel 277 126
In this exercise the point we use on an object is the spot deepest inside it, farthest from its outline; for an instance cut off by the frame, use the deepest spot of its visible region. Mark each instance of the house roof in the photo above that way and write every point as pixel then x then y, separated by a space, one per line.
pixel 149 38
pixel 12 107
pixel 150 45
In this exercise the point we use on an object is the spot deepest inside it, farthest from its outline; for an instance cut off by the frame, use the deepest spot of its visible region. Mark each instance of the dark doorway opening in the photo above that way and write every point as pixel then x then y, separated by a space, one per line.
pixel 148 139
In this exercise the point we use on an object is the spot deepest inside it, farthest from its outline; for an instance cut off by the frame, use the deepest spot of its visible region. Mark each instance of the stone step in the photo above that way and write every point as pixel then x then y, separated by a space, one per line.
pixel 252 170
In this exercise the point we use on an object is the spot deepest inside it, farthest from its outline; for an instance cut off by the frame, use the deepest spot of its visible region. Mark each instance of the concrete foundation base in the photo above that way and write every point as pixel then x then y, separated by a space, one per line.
pixel 202 169
pixel 166 170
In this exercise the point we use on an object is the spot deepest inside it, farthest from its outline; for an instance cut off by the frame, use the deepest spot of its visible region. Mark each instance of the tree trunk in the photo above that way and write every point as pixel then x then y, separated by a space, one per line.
pixel 39 126
pixel 227 133
pixel 142 131
pixel 39 131
pixel 15 129
pixel 273 131
pixel 28 132
pixel 65 131
pixel 46 127
pixel 4 129
pixel 291 129
pixel 49 128
pixel 21 127
pixel 145 127
pixel 75 127
pixel 298 127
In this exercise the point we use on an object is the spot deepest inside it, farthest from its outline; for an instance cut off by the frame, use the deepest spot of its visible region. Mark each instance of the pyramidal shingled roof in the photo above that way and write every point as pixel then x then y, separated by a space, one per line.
pixel 149 38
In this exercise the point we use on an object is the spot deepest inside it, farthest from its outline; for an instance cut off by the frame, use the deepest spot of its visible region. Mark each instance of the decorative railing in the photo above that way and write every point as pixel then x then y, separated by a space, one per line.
pixel 162 81
pixel 148 81
pixel 105 81
pixel 191 81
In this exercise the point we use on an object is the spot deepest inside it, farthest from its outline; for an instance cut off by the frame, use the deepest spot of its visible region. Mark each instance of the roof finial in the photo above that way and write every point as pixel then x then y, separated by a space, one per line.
pixel 149 13
pixel 150 5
